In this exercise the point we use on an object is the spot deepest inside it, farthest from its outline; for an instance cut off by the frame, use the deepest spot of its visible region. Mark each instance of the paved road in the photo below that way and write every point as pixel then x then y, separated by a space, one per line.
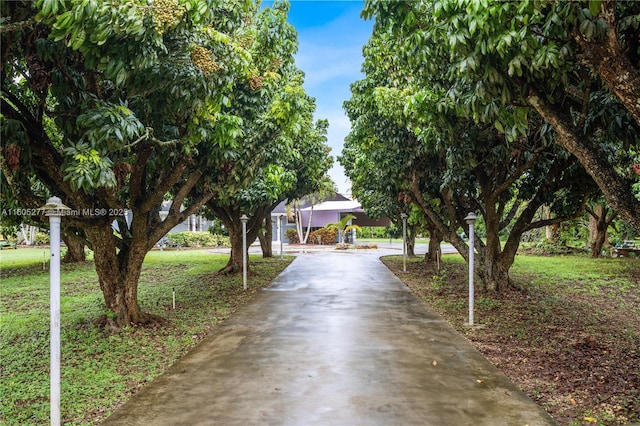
pixel 336 340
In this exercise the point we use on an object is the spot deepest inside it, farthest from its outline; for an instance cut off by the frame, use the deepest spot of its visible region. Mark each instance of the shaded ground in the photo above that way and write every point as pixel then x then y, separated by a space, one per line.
pixel 572 345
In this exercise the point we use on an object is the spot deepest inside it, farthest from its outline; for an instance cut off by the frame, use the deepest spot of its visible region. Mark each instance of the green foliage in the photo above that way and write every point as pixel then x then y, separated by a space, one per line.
pixel 218 229
pixel 343 227
pixel 444 118
pixel 198 239
pixel 41 238
pixel 622 231
pixel 281 152
pixel 123 105
pixel 292 236
pixel 500 64
pixel 375 232
pixel 86 169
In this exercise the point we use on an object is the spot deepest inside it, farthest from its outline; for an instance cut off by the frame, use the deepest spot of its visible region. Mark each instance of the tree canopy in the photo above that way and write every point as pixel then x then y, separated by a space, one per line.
pixel 577 64
pixel 118 106
pixel 445 118
pixel 281 153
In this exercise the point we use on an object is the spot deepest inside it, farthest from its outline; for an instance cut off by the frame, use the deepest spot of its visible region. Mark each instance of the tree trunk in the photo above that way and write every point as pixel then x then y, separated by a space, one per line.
pixel 598 243
pixel 599 217
pixel 297 215
pixel 411 241
pixel 435 239
pixel 118 274
pixel 119 261
pixel 234 264
pixel 552 233
pixel 494 263
pixel 75 247
pixel 306 235
pixel 266 237
pixel 593 229
pixel 494 273
pixel 231 219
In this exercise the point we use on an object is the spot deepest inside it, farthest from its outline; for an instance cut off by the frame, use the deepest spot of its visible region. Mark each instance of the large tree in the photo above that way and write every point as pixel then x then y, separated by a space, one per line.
pixel 281 150
pixel 299 168
pixel 134 91
pixel 449 165
pixel 576 64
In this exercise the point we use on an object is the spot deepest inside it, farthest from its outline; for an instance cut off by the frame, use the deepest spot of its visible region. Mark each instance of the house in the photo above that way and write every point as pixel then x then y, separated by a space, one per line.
pixel 329 211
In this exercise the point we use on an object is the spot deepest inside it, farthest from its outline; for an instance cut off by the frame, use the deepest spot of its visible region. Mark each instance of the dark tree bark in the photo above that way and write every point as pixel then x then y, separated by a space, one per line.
pixel 435 240
pixel 266 237
pixel 75 246
pixel 493 261
pixel 118 274
pixel 230 216
pixel 118 258
pixel 603 219
pixel 119 261
pixel 411 240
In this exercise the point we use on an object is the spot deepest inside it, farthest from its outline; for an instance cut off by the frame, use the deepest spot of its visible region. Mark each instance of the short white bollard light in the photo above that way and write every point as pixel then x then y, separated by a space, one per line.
pixel 471 220
pixel 244 219
pixel 404 217
pixel 54 209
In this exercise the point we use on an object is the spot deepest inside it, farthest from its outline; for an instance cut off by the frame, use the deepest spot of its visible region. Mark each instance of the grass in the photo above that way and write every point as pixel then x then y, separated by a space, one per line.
pixel 101 370
pixel 569 337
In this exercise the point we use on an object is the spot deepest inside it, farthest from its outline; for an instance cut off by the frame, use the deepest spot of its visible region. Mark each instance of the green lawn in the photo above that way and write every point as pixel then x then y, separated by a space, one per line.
pixel 100 370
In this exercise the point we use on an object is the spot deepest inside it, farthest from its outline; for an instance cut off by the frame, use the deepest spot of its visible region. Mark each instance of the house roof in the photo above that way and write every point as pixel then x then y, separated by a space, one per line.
pixel 280 208
pixel 341 206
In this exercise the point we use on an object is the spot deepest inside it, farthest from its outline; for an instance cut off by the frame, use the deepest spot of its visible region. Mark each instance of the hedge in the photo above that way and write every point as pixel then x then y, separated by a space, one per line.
pixel 198 239
pixel 322 236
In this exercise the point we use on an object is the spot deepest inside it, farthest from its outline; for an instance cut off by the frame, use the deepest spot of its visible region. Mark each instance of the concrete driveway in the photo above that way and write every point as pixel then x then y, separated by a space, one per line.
pixel 336 340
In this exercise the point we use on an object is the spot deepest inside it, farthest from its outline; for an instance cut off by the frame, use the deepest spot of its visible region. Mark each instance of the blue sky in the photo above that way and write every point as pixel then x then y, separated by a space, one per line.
pixel 331 35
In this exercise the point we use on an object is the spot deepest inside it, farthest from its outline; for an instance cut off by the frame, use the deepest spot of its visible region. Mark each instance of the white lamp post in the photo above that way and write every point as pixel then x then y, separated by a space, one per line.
pixel 281 233
pixel 404 217
pixel 244 220
pixel 54 209
pixel 471 220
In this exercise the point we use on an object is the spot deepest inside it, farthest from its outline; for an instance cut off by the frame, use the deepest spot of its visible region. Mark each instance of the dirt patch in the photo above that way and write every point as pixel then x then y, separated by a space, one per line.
pixel 574 348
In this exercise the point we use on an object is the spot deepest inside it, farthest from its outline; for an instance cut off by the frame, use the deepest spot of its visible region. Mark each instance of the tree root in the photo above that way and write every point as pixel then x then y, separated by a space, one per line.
pixel 112 325
pixel 227 270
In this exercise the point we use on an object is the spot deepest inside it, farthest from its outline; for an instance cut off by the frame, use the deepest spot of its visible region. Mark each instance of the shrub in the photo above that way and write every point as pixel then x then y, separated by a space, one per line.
pixel 198 239
pixel 323 236
pixel 292 236
pixel 41 239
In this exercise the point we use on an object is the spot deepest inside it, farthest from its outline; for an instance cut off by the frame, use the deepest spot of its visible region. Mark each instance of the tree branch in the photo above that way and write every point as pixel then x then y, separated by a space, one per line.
pixel 616 189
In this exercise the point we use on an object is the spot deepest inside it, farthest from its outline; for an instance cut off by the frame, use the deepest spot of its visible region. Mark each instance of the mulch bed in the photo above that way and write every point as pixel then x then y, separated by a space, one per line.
pixel 573 350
